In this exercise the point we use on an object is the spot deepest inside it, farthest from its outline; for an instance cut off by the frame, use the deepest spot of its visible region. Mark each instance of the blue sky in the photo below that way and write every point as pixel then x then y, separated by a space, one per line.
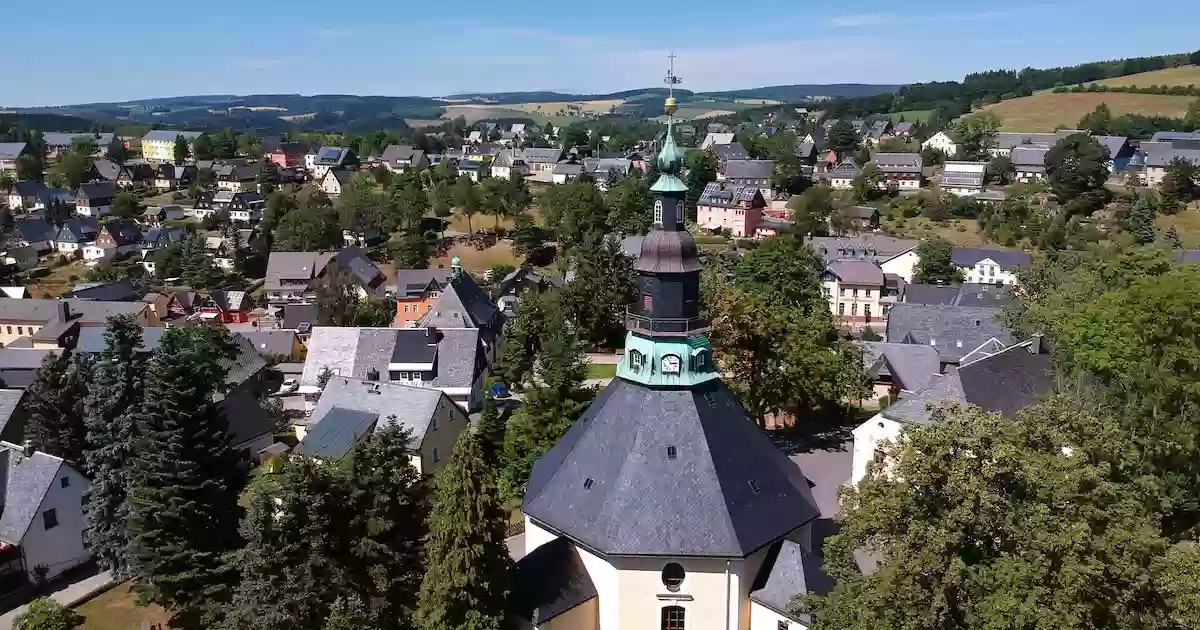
pixel 401 47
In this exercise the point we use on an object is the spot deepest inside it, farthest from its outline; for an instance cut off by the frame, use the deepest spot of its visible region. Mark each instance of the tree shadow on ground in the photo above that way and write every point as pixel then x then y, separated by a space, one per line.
pixel 832 432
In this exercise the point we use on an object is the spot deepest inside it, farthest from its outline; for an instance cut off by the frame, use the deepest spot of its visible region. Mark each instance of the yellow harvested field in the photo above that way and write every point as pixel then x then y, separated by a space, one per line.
pixel 715 113
pixel 554 108
pixel 757 101
pixel 1183 75
pixel 259 108
pixel 295 117
pixel 479 261
pixel 1046 111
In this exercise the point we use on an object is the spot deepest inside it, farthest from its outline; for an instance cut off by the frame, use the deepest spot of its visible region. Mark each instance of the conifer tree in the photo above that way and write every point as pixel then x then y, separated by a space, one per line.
pixel 1172 238
pixel 389 524
pixel 297 542
pixel 465 583
pixel 114 398
pixel 183 498
pixel 491 427
pixel 1140 221
pixel 55 406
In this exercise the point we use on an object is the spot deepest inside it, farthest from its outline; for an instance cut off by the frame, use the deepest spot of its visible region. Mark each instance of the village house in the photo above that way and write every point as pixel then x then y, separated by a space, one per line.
pixel 42 526
pixel 135 176
pixel 894 256
pixel 901 171
pixel 733 208
pixel 31 195
pixel 723 153
pixel 35 232
pixel 453 360
pixel 225 307
pixel 417 290
pixel 236 178
pixel 56 323
pixel 351 408
pixel 1029 163
pixel 842 176
pixel 116 238
pixel 879 131
pixel 156 216
pixel 956 331
pixel 507 162
pixel 159 145
pixel 290 275
pixel 855 290
pixel 858 218
pixel 1003 381
pixel 57 143
pixel 942 141
pixel 172 177
pixel 1163 148
pixel 715 139
pixel 565 172
pixel 244 208
pixel 757 173
pixel 287 155
pixel 964 179
pixel 402 158
pixel 76 233
pixel 328 159
pixel 95 200
pixel 989 266
pixel 9 152
pixel 335 181
pixel 540 162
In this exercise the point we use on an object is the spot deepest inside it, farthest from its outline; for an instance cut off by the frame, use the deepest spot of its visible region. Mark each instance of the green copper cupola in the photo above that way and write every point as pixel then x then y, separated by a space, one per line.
pixel 667 344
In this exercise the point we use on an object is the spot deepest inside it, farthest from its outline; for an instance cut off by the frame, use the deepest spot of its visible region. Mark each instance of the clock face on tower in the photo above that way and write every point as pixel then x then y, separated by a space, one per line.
pixel 670 364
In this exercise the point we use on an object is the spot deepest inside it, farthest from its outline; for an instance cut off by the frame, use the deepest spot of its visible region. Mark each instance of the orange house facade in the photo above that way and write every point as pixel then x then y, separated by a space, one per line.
pixel 417 290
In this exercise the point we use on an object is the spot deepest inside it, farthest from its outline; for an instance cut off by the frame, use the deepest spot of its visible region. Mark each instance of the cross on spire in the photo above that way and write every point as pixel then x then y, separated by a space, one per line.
pixel 671 79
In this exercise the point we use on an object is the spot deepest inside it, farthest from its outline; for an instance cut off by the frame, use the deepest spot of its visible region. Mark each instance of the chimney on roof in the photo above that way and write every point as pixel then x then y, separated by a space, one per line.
pixel 27 448
pixel 431 335
pixel 373 375
pixel 64 311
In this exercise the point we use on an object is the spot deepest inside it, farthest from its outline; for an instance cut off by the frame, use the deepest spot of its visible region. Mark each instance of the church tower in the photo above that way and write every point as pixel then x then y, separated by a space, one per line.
pixel 664 506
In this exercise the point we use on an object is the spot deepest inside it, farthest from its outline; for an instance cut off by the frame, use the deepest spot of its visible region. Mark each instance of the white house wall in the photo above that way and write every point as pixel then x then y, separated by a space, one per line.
pixel 763 618
pixel 867 437
pixel 61 547
pixel 902 265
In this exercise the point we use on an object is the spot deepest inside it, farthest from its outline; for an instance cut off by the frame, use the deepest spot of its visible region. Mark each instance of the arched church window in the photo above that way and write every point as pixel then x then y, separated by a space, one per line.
pixel 701 360
pixel 672 576
pixel 658 211
pixel 636 360
pixel 673 618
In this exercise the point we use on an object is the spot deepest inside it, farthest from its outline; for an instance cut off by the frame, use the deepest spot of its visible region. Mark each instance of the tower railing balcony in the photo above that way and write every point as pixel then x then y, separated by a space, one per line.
pixel 666 326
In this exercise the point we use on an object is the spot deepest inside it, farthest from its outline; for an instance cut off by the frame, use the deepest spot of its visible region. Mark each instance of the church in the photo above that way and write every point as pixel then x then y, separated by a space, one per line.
pixel 665 506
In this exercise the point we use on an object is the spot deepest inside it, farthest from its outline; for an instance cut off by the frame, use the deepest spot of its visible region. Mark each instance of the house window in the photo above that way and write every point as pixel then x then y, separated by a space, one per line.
pixel 841 308
pixel 20 330
pixel 9 329
pixel 50 519
pixel 437 455
pixel 672 618
pixel 433 423
pixel 65 482
pixel 854 309
pixel 845 292
pixel 856 293
pixel 867 312
pixel 782 625
pixel 658 211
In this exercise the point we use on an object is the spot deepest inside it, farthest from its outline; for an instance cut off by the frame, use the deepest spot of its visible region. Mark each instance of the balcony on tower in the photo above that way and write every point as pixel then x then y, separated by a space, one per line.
pixel 666 326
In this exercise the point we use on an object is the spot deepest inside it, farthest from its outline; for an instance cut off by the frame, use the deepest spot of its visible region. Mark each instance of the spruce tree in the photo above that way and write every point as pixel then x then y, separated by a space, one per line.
pixel 491 427
pixel 1140 221
pixel 114 398
pixel 186 478
pixel 297 545
pixel 465 583
pixel 389 524
pixel 55 406
pixel 1172 238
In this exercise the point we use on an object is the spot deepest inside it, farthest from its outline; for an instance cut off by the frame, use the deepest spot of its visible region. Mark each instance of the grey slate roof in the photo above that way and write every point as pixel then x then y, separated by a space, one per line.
pixel 610 484
pixel 34 229
pixel 542 156
pixel 9 400
pixel 246 364
pixel 873 247
pixel 911 366
pixel 26 480
pixel 568 169
pixel 11 150
pixel 414 282
pixel 296 314
pixel 1030 159
pixel 268 342
pixel 86 312
pixel 846 169
pixel 729 195
pixel 549 581
pixel 412 407
pixel 298 269
pixel 788 571
pixel 730 151
pixel 336 434
pixel 969 256
pixel 396 154
pixel 120 290
pixel 750 169
pixel 246 417
pixel 355 352
pixel 898 162
pixel 954 330
pixel 856 272
pixel 63 140
pixel 464 305
pixel 967 294
pixel 915 408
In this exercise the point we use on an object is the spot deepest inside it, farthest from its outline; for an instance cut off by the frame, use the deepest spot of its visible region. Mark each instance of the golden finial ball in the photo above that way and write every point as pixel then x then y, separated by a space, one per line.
pixel 672 105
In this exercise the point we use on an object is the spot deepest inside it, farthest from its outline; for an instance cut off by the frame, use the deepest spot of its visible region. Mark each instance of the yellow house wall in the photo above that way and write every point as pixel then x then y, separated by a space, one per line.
pixel 585 616
pixel 716 596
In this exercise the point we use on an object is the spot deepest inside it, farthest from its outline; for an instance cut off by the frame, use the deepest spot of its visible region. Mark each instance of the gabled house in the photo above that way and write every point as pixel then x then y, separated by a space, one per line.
pixel 287 155
pixel 35 232
pixel 877 132
pixel 859 218
pixel 95 200
pixel 155 216
pixel 327 159
pixel 226 307
pixel 507 162
pixel 894 256
pixel 903 129
pixel 724 206
pixel 76 233
pixel 236 177
pixel 57 323
pixel 1029 162
pixel 566 171
pixel 1157 154
pixel 453 360
pixel 715 139
pixel 416 292
pixel 42 525
pixel 855 290
pixel 757 173
pixel 964 179
pixel 403 158
pixel 989 266
pixel 1003 381
pixel 116 238
pixel 956 331
pixel 172 177
pixel 463 304
pixel 726 152
pixel 540 162
pixel 351 409
pixel 967 294
pixel 244 207
pixel 842 176
pixel 898 367
pixel 290 275
pixel 942 141
pixel 135 176
pixel 57 142
pixel 516 283
pixel 9 153
pixel 335 181
pixel 123 290
pixel 31 195
pixel 901 171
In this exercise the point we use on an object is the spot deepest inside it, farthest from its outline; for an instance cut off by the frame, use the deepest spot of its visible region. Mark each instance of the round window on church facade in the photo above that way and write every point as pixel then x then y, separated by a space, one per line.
pixel 672 576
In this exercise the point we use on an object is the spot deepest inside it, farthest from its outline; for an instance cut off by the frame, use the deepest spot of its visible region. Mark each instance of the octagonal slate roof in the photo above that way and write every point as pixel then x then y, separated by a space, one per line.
pixel 612 485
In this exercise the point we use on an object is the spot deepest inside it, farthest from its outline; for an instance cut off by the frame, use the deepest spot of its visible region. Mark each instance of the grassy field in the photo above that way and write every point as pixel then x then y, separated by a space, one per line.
pixel 1183 75
pixel 479 261
pixel 117 610
pixel 601 371
pixel 1044 112
pixel 1186 223
pixel 969 236
pixel 58 281
pixel 916 115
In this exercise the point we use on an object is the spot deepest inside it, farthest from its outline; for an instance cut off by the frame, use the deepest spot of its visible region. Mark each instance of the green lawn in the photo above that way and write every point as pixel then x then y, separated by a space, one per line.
pixel 596 370
pixel 116 609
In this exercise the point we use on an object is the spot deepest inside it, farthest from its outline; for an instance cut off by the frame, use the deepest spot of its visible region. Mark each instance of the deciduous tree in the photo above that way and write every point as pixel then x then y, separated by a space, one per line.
pixel 812 209
pixel 1077 169
pixel 935 266
pixel 629 204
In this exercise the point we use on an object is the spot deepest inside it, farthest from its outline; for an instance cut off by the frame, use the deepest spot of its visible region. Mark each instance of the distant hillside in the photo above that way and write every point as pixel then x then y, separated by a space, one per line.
pixel 795 93
pixel 511 98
